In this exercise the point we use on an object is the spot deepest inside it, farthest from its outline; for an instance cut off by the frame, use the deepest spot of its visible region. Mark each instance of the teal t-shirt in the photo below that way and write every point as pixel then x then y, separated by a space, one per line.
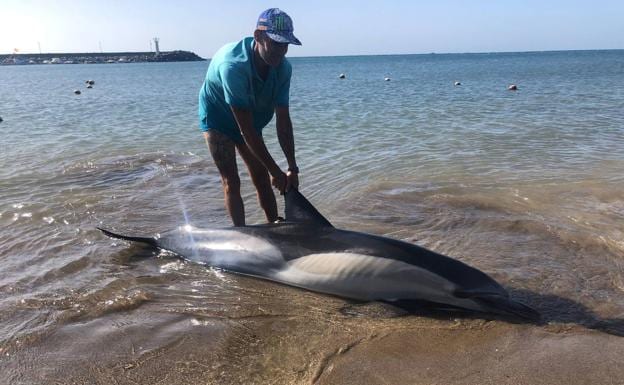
pixel 232 80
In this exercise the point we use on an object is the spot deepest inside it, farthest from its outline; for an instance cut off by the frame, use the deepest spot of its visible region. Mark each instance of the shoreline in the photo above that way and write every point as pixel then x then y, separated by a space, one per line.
pixel 98 58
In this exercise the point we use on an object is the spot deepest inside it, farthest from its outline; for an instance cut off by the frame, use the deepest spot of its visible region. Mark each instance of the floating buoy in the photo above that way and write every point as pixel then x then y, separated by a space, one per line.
pixel 91 82
pixel 89 86
pixel 342 76
pixel 77 92
pixel 512 87
pixel 387 79
pixel 457 83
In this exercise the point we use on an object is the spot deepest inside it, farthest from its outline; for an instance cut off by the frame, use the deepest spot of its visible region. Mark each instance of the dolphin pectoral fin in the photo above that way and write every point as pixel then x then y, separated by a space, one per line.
pixel 505 306
pixel 462 293
pixel 299 209
pixel 149 241
pixel 498 302
pixel 428 308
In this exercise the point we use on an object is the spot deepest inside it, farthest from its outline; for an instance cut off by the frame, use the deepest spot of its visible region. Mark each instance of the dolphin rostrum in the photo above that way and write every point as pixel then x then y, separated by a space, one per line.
pixel 306 251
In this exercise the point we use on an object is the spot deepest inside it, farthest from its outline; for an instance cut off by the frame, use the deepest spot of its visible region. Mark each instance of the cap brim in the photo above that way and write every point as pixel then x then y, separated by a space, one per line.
pixel 285 37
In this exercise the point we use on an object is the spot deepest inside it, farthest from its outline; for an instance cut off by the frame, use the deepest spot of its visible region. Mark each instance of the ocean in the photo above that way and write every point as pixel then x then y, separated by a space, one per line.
pixel 526 185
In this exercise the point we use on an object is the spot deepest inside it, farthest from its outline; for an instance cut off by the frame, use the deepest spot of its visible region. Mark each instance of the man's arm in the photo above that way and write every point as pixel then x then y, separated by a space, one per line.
pixel 287 142
pixel 244 119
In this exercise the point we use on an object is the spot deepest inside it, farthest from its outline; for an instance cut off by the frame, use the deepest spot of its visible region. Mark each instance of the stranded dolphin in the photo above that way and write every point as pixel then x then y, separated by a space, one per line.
pixel 306 251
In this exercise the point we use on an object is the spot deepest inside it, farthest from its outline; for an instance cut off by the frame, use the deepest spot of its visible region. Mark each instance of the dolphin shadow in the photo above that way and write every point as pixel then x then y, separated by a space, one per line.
pixel 556 309
pixel 552 309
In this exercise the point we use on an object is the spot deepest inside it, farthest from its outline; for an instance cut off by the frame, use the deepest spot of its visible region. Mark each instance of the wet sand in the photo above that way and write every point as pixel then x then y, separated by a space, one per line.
pixel 496 354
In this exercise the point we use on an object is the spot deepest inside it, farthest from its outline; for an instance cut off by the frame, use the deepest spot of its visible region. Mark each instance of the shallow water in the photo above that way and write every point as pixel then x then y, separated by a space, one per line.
pixel 526 186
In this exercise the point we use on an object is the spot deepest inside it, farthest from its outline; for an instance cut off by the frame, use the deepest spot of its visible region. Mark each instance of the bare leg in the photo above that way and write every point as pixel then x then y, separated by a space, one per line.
pixel 262 181
pixel 223 153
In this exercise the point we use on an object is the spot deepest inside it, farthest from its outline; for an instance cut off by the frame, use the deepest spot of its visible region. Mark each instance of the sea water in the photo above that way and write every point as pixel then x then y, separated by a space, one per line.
pixel 525 185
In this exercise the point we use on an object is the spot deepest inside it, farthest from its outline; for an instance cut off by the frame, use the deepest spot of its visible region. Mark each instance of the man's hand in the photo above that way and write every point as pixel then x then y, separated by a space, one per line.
pixel 279 181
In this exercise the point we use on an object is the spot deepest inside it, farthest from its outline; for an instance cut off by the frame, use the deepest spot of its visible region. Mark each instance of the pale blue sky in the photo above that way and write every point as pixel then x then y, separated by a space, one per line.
pixel 344 27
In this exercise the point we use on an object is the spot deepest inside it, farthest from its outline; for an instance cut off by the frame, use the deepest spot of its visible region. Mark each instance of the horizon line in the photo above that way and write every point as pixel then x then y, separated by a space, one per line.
pixel 345 55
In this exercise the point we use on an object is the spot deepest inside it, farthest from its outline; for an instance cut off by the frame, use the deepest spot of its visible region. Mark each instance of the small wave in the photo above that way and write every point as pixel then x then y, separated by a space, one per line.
pixel 116 297
pixel 123 170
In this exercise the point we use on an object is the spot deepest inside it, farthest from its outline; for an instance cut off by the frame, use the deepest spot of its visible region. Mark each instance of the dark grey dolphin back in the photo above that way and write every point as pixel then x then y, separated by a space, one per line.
pixel 299 209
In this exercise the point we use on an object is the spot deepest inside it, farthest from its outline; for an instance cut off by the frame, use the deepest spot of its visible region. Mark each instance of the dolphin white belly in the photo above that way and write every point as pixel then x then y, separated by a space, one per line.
pixel 364 277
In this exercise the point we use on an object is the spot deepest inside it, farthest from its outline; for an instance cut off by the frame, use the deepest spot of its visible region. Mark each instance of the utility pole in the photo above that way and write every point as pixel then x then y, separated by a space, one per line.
pixel 39 44
pixel 101 47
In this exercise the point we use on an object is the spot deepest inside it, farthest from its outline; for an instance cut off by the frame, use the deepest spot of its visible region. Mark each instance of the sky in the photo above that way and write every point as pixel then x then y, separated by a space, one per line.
pixel 326 28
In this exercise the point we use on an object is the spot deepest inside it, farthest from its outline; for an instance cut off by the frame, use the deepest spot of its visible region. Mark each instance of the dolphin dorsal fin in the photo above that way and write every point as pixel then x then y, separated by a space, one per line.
pixel 299 209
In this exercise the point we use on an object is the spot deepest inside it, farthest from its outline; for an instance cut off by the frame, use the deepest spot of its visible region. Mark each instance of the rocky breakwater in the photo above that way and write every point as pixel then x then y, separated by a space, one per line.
pixel 94 58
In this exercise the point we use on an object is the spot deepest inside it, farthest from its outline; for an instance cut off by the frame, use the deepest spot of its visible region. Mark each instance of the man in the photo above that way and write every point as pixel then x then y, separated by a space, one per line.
pixel 245 84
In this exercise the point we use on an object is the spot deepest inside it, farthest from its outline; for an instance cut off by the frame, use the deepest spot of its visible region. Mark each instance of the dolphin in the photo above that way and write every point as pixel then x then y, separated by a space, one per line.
pixel 308 252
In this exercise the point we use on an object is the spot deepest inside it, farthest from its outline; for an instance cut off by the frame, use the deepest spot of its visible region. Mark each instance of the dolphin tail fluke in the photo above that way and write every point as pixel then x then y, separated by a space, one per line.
pixel 149 241
pixel 505 306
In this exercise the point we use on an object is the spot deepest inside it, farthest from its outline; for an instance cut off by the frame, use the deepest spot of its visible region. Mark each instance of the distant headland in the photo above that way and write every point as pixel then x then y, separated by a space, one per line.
pixel 97 57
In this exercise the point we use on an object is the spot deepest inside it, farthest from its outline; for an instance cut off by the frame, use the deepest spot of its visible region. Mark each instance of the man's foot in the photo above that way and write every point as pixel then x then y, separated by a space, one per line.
pixel 279 219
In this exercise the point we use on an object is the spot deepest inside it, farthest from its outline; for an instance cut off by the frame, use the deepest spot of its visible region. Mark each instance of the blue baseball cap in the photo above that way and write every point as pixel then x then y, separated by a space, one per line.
pixel 277 25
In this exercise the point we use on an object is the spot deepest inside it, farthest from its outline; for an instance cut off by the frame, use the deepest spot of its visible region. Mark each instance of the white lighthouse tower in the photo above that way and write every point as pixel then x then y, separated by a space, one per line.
pixel 157 49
